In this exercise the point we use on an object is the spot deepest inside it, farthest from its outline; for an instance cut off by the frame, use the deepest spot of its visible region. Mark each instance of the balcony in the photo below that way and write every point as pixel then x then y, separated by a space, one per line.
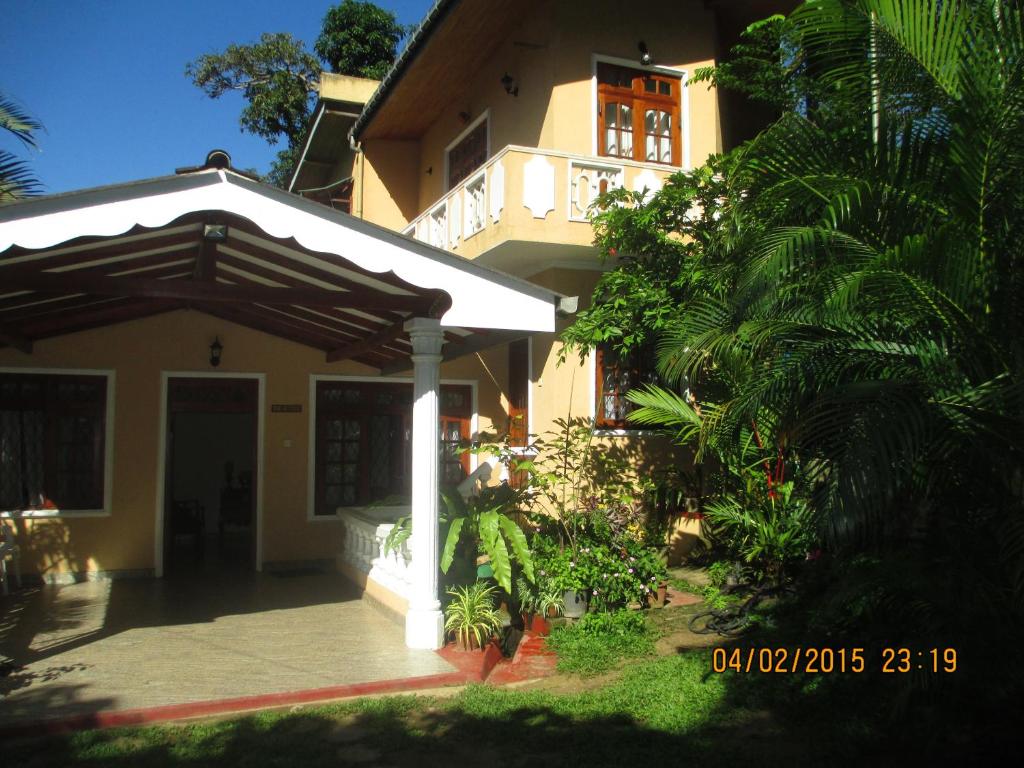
pixel 526 208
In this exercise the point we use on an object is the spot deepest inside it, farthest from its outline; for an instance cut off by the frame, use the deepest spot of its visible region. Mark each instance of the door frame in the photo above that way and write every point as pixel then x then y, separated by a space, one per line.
pixel 162 465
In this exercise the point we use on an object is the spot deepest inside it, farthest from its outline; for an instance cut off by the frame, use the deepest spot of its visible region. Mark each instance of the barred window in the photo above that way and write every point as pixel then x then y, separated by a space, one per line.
pixel 364 446
pixel 52 438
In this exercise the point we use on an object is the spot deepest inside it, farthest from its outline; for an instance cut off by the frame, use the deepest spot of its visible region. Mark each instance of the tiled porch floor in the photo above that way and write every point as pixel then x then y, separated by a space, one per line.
pixel 127 644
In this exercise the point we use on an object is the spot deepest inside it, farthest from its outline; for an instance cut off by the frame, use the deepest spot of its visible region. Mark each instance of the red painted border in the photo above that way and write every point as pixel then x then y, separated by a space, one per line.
pixel 116 718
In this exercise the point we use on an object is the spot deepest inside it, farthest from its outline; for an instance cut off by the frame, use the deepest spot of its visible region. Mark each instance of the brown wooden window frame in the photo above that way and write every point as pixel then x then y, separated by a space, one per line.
pixel 614 92
pixel 362 409
pixel 467 167
pixel 59 397
pixel 638 365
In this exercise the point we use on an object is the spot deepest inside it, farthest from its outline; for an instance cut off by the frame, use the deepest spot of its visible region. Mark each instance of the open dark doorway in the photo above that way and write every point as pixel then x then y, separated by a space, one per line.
pixel 210 485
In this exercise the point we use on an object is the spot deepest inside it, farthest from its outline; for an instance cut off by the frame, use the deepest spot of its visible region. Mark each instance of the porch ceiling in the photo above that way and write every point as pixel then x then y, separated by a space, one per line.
pixel 285 266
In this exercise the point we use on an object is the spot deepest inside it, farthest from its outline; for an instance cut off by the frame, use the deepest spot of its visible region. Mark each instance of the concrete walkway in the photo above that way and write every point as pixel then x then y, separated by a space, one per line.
pixel 131 644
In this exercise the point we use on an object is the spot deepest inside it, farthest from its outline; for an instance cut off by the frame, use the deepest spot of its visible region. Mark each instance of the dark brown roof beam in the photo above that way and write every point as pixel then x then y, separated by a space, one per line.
pixel 191 290
pixel 206 262
pixel 368 344
pixel 292 282
pixel 104 314
pixel 92 251
pixel 12 338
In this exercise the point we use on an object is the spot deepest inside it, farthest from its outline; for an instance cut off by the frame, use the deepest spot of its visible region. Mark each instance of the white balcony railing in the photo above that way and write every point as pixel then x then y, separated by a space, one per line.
pixel 520 188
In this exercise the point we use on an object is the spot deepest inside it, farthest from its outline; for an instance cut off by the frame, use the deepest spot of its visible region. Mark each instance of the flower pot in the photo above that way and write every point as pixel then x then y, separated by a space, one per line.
pixel 575 603
pixel 539 625
pixel 657 599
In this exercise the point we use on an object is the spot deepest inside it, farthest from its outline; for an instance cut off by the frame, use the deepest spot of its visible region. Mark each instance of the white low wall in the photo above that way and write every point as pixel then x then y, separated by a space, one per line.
pixel 366 530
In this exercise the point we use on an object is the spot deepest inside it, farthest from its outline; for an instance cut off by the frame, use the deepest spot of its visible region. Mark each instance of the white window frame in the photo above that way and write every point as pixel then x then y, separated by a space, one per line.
pixel 315 378
pixel 484 116
pixel 684 100
pixel 108 445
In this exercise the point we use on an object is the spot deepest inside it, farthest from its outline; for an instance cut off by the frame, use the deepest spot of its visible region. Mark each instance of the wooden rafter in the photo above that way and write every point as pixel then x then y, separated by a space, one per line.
pixel 206 262
pixel 369 344
pixel 89 317
pixel 94 251
pixel 192 290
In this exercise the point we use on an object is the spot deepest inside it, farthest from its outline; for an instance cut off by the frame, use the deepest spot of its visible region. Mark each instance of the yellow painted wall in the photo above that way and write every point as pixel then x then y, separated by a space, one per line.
pixel 138 351
pixel 550 56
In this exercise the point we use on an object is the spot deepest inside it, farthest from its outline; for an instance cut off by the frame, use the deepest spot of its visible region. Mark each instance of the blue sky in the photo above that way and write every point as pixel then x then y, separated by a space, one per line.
pixel 106 78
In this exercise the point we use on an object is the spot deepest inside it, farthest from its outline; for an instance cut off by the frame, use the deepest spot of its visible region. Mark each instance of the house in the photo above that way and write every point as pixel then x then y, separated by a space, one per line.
pixel 199 366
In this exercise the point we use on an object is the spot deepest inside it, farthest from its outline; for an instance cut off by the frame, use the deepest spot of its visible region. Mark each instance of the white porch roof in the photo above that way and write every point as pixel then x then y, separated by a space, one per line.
pixel 285 265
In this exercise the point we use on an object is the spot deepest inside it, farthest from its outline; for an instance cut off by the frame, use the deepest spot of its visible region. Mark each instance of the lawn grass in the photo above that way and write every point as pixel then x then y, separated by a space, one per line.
pixel 669 710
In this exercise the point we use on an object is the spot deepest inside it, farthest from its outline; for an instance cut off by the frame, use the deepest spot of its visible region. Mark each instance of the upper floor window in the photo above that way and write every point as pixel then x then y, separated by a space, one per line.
pixel 52 438
pixel 638 114
pixel 468 153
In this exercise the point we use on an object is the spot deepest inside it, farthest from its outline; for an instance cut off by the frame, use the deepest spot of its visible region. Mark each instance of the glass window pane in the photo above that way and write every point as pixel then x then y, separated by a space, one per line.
pixel 611 115
pixel 611 146
pixel 650 85
pixel 332 497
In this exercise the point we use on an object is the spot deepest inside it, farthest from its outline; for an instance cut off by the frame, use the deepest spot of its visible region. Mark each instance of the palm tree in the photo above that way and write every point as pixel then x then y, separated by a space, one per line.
pixel 878 324
pixel 16 178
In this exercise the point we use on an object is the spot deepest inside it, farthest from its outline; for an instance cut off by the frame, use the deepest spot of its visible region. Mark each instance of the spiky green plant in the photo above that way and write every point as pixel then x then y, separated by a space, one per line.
pixel 471 615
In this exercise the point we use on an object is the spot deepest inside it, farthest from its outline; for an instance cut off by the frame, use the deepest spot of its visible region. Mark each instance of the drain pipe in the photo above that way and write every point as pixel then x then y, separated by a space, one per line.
pixel 357 147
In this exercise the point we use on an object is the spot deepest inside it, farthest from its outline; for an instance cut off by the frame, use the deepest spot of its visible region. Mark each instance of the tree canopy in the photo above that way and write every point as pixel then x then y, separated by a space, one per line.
pixel 842 298
pixel 278 78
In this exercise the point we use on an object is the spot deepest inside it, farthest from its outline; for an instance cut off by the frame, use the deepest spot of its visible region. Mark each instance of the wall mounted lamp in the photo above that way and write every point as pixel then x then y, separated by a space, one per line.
pixel 215 349
pixel 509 84
pixel 645 55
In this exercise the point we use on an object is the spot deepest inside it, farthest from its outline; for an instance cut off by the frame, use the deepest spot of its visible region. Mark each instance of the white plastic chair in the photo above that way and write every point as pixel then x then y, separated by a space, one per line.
pixel 9 549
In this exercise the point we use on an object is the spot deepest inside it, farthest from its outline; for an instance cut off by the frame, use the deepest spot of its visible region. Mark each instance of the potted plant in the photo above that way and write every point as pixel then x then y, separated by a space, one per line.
pixel 538 604
pixel 471 616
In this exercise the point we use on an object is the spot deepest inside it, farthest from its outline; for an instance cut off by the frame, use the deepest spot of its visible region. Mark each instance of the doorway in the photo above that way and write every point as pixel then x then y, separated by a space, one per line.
pixel 210 477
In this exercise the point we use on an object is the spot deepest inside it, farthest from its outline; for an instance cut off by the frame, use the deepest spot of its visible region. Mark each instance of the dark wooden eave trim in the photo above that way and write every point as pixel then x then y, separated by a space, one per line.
pixel 193 290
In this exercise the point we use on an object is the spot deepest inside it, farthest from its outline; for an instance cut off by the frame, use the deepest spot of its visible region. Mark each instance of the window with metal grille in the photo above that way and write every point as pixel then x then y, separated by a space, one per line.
pixel 364 441
pixel 468 155
pixel 52 437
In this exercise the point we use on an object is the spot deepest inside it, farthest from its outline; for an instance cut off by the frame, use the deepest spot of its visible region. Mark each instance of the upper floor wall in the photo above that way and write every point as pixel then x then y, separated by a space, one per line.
pixel 549 58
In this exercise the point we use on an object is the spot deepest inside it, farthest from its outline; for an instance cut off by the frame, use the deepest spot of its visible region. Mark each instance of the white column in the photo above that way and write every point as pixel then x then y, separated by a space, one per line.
pixel 424 623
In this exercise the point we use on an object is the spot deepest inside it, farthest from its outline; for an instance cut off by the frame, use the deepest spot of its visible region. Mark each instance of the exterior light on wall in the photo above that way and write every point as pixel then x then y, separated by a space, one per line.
pixel 645 55
pixel 509 84
pixel 215 349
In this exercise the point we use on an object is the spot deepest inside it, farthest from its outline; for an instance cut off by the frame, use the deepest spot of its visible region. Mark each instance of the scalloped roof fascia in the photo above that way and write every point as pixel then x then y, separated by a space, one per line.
pixel 481 297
